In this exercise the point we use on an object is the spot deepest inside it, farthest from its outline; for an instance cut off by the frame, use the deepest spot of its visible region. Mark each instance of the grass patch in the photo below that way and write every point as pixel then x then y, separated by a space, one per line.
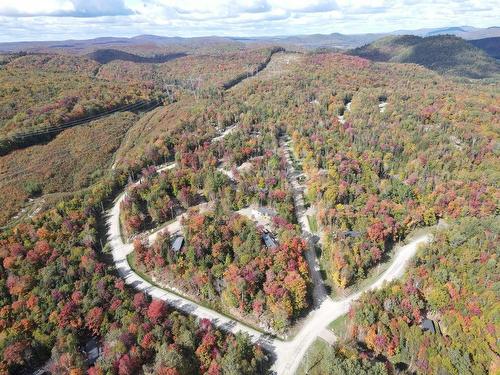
pixel 313 223
pixel 313 358
pixel 131 262
pixel 339 326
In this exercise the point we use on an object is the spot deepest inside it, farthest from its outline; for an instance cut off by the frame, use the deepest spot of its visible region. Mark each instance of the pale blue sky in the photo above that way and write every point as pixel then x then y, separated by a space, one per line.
pixel 81 19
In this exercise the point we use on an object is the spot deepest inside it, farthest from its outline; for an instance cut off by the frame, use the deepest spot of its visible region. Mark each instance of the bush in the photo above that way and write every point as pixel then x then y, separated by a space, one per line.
pixel 33 188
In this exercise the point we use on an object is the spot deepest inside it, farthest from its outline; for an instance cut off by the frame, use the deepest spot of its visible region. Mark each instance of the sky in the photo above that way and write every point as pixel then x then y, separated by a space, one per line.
pixel 83 19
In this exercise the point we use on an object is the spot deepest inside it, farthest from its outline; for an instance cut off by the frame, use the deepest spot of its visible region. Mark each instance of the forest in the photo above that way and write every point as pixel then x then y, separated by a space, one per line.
pixel 55 313
pixel 451 283
pixel 88 300
pixel 225 263
pixel 381 150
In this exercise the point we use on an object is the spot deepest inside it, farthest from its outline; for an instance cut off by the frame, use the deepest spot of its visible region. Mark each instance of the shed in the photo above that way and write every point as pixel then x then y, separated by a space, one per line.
pixel 428 325
pixel 269 241
pixel 92 351
pixel 178 243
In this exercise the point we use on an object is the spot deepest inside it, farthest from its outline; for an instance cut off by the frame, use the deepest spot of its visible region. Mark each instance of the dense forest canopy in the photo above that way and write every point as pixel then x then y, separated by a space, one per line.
pixel 442 53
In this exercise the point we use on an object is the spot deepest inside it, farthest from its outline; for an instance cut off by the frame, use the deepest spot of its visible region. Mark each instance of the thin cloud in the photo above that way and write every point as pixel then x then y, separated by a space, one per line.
pixel 66 19
pixel 63 8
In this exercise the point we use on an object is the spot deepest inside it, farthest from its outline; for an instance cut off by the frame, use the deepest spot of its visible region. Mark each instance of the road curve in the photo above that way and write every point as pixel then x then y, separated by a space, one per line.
pixel 290 354
pixel 287 354
pixel 120 250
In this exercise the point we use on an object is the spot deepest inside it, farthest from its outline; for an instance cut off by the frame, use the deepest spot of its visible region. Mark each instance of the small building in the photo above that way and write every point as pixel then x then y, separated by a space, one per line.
pixel 428 325
pixel 352 233
pixel 177 244
pixel 269 241
pixel 219 285
pixel 92 351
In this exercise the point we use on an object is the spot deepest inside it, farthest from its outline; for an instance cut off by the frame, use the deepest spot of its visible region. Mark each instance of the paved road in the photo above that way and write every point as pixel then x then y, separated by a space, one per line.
pixel 290 354
pixel 319 291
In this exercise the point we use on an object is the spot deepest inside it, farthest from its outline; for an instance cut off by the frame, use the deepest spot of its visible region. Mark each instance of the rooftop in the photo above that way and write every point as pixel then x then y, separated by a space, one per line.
pixel 428 325
pixel 269 241
pixel 178 243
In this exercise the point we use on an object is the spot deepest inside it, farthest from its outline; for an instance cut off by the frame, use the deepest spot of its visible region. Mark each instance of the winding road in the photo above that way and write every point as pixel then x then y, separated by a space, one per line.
pixel 287 354
pixel 120 251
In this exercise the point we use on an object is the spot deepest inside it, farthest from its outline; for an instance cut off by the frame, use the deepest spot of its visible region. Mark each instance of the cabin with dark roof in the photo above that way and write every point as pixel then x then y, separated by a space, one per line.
pixel 269 241
pixel 92 351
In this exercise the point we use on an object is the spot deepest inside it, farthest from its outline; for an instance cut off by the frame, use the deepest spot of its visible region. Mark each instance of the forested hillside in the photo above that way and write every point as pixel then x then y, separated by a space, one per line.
pixel 489 45
pixel 76 159
pixel 450 282
pixel 426 153
pixel 443 53
pixel 45 90
pixel 56 293
pixel 258 163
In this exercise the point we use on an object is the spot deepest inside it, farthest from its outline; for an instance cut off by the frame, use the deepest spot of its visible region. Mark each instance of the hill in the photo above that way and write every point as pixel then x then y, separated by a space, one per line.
pixel 443 53
pixel 145 45
pixel 104 56
pixel 379 150
pixel 489 45
pixel 154 45
pixel 317 41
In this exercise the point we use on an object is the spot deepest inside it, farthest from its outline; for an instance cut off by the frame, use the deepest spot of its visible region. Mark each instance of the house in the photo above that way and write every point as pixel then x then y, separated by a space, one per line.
pixel 92 351
pixel 428 325
pixel 219 285
pixel 351 233
pixel 177 244
pixel 269 241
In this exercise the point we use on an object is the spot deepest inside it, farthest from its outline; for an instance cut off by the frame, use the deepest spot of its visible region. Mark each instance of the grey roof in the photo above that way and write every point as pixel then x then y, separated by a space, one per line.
pixel 269 241
pixel 92 351
pixel 352 233
pixel 177 244
pixel 428 325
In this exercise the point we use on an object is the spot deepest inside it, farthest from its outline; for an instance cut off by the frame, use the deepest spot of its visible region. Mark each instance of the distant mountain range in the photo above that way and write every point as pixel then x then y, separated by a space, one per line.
pixel 88 45
pixel 465 32
pixel 348 41
pixel 446 54
pixel 315 41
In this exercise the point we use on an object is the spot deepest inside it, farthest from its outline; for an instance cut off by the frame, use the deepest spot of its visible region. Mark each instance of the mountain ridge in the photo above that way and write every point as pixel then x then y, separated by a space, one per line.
pixel 446 54
pixel 332 40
